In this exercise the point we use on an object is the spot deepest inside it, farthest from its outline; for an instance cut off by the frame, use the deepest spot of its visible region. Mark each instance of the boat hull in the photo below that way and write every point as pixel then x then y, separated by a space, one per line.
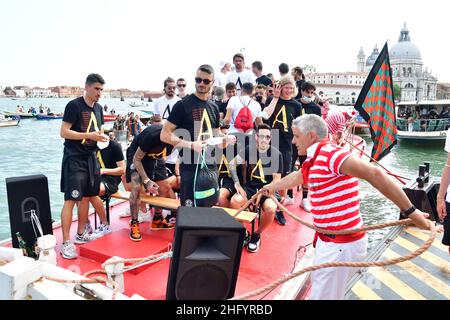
pixel 278 255
pixel 426 136
pixel 39 117
pixel 9 123
pixel 20 114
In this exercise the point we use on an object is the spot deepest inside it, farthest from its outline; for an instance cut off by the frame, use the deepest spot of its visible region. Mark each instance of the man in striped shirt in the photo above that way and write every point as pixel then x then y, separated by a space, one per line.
pixel 332 174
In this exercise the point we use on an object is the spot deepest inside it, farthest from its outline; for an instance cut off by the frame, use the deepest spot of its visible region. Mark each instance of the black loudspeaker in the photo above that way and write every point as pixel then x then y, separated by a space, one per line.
pixel 26 194
pixel 207 251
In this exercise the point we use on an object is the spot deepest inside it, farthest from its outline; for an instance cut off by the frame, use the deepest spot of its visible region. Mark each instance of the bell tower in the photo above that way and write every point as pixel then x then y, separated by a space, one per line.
pixel 361 61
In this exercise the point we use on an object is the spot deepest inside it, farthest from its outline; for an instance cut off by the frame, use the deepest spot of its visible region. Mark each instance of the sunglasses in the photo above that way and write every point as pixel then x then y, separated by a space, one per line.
pixel 205 81
pixel 262 136
pixel 171 88
pixel 182 85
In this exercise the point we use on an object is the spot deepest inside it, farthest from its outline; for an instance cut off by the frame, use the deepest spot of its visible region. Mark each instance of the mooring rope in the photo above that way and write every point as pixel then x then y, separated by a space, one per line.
pixel 385 263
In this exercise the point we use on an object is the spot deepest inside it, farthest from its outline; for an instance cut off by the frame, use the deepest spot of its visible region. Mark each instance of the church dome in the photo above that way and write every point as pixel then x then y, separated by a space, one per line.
pixel 373 57
pixel 404 48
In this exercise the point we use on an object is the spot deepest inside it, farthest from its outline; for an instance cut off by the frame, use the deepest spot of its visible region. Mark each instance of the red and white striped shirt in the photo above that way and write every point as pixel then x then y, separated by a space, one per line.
pixel 334 196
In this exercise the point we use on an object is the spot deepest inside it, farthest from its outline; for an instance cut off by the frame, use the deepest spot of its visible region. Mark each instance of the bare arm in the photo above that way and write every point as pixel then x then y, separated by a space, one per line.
pixel 290 181
pixel 271 107
pixel 445 182
pixel 228 116
pixel 258 122
pixel 137 161
pixel 354 167
pixel 119 171
pixel 168 136
pixel 233 169
pixel 67 133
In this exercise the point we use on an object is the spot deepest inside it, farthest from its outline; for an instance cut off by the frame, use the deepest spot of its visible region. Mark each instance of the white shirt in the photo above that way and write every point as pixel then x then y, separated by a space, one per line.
pixel 163 106
pixel 447 149
pixel 236 104
pixel 173 157
pixel 220 80
pixel 239 78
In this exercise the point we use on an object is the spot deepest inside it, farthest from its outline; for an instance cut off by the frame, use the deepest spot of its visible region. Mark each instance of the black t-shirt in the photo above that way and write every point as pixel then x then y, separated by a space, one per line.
pixel 281 119
pixel 83 119
pixel 109 157
pixel 262 166
pixel 223 157
pixel 149 141
pixel 222 106
pixel 265 80
pixel 195 119
pixel 312 108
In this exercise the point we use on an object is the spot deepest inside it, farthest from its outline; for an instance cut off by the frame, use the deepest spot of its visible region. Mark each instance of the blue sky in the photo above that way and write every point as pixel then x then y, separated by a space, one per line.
pixel 136 44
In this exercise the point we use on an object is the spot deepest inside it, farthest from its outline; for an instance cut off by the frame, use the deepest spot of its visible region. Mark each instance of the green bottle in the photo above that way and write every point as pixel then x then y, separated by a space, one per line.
pixel 27 251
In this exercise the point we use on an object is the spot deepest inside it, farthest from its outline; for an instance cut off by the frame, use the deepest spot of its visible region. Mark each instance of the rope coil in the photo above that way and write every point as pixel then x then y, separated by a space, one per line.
pixel 385 263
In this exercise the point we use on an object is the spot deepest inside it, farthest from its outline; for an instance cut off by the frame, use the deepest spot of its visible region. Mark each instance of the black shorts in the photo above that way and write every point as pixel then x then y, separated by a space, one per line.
pixel 446 236
pixel 155 170
pixel 251 190
pixel 228 184
pixel 287 162
pixel 170 168
pixel 111 184
pixel 80 177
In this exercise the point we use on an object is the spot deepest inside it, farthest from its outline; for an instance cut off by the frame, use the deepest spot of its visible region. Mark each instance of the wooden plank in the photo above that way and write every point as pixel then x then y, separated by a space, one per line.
pixel 173 204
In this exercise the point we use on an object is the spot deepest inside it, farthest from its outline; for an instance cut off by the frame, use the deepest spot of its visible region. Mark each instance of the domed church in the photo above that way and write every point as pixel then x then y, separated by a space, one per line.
pixel 416 82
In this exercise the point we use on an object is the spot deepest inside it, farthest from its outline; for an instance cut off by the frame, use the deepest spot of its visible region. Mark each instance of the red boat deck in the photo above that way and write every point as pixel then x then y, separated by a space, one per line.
pixel 276 257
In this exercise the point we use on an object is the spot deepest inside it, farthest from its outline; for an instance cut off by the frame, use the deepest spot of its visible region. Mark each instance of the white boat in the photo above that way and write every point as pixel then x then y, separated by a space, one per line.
pixel 140 104
pixel 423 120
pixel 8 122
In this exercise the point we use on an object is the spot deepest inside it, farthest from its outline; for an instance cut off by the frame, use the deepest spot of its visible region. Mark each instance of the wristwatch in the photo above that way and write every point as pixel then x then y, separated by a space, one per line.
pixel 146 181
pixel 407 212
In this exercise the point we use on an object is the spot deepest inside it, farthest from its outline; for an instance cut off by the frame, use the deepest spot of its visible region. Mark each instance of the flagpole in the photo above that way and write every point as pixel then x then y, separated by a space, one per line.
pixel 399 178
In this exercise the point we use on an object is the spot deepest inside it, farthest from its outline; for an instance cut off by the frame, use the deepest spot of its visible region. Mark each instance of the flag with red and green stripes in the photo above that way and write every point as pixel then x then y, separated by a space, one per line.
pixel 376 105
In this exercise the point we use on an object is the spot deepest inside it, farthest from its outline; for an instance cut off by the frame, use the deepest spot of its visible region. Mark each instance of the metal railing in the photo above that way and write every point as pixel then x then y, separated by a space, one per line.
pixel 423 125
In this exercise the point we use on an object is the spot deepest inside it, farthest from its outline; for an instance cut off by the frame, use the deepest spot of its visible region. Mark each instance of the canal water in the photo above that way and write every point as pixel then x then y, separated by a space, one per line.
pixel 35 147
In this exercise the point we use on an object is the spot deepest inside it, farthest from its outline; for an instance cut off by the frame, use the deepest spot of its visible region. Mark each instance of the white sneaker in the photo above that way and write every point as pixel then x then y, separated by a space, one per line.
pixel 144 216
pixel 88 228
pixel 85 237
pixel 306 205
pixel 68 250
pixel 289 201
pixel 126 213
pixel 101 231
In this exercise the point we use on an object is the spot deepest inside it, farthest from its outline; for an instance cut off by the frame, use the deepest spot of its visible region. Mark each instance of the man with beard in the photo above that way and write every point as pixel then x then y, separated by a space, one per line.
pixel 264 164
pixel 196 119
pixel 240 75
pixel 163 105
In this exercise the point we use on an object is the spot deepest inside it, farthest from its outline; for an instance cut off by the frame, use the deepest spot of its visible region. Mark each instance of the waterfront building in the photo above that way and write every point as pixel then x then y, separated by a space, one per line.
pixel 308 70
pixel 67 91
pixel 341 88
pixel 37 92
pixel 409 73
pixel 443 91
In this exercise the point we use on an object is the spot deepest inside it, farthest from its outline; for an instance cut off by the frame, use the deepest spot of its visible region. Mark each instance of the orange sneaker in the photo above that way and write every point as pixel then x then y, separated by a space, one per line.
pixel 135 234
pixel 162 224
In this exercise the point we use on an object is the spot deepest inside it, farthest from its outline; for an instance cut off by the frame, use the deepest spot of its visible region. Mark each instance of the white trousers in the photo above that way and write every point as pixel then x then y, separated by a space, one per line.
pixel 330 283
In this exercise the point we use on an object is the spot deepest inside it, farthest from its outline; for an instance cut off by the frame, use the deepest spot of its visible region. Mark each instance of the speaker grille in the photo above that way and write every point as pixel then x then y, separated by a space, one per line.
pixel 204 282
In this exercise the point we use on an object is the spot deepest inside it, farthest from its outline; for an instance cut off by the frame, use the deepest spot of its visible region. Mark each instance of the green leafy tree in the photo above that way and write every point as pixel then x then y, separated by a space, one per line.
pixel 397 92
